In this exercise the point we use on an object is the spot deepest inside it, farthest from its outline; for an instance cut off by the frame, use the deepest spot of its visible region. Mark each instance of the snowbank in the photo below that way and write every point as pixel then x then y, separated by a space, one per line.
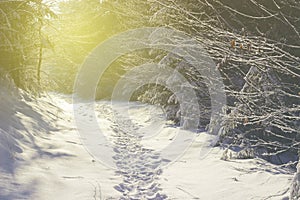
pixel 295 187
pixel 22 121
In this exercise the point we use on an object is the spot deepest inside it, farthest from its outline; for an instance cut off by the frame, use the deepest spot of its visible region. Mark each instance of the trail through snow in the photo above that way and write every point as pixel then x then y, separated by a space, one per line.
pixel 43 157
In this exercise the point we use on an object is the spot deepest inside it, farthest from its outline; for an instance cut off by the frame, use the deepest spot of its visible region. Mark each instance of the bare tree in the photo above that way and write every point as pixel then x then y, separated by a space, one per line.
pixel 256 48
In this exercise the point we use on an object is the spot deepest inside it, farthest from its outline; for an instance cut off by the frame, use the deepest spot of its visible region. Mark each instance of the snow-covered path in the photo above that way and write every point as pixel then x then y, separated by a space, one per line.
pixel 56 165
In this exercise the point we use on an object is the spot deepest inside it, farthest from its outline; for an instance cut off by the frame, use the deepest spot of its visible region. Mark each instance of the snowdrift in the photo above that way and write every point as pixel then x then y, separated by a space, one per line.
pixel 23 119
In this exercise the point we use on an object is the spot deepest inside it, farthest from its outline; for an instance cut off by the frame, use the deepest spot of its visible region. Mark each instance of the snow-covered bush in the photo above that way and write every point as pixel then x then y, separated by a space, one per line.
pixel 255 45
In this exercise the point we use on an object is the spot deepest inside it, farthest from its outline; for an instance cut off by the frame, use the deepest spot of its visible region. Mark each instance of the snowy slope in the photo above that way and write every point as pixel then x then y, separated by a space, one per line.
pixel 42 156
pixel 23 123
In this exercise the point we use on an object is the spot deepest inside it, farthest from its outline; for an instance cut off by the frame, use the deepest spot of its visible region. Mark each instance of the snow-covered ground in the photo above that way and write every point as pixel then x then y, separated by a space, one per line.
pixel 42 157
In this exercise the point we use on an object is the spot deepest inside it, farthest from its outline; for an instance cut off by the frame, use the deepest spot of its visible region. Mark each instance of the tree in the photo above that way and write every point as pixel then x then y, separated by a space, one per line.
pixel 256 48
pixel 22 37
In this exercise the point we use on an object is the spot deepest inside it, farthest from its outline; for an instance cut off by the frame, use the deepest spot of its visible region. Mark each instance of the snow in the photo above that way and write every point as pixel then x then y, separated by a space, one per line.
pixel 212 178
pixel 42 156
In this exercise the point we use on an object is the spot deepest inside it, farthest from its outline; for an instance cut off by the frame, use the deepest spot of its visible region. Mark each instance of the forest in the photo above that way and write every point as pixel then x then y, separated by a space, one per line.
pixel 244 52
